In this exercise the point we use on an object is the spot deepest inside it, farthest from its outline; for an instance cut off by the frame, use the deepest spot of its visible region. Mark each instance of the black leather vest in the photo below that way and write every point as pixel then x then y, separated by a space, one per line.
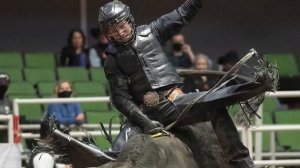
pixel 146 64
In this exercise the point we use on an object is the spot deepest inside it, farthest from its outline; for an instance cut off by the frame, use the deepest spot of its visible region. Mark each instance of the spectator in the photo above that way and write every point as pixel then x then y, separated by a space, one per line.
pixel 182 55
pixel 97 54
pixel 65 113
pixel 75 54
pixel 5 104
pixel 200 83
pixel 228 60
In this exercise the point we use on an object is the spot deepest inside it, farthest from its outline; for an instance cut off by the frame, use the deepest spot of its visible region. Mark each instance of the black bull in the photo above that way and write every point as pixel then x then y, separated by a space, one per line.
pixel 144 151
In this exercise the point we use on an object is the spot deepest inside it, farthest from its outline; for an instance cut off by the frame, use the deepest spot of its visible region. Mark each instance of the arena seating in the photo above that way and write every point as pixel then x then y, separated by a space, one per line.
pixel 34 75
pixel 40 60
pixel 273 113
pixel 72 74
pixel 287 64
pixel 21 88
pixel 31 113
pixel 45 89
pixel 97 75
pixel 288 140
pixel 11 60
pixel 270 105
pixel 15 74
pixel 89 89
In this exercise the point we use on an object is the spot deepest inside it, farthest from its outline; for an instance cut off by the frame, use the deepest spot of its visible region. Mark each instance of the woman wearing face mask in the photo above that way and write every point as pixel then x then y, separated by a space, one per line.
pixel 65 113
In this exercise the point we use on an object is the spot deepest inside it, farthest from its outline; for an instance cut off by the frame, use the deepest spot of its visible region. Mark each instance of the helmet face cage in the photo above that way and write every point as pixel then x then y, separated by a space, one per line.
pixel 114 18
pixel 112 31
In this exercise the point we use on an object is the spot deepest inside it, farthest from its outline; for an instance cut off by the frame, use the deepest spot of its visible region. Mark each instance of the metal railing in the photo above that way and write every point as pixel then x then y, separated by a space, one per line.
pixel 246 134
pixel 259 128
pixel 9 126
pixel 17 102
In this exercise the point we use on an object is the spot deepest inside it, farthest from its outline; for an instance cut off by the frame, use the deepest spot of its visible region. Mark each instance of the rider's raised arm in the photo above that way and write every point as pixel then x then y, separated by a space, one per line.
pixel 169 24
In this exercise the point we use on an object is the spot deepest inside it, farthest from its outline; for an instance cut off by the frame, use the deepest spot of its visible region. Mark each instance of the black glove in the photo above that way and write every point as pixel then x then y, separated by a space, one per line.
pixel 147 125
pixel 135 115
pixel 152 127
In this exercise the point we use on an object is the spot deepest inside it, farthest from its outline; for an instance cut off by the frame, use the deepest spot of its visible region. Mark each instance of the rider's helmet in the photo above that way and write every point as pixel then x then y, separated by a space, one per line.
pixel 117 23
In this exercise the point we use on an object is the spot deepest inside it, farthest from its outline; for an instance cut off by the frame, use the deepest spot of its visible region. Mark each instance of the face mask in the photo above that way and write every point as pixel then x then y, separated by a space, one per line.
pixel 177 47
pixel 64 94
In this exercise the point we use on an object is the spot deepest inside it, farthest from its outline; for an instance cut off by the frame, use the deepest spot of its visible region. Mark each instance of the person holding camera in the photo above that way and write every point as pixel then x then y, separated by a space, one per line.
pixel 182 55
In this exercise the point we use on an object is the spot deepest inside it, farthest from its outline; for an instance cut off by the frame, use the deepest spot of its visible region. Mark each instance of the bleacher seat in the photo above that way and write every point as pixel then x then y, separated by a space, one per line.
pixel 89 89
pixel 11 60
pixel 270 105
pixel 98 75
pixel 72 74
pixel 95 106
pixel 104 117
pixel 45 89
pixel 40 60
pixel 21 88
pixel 25 90
pixel 288 139
pixel 36 75
pixel 286 63
pixel 15 74
pixel 32 112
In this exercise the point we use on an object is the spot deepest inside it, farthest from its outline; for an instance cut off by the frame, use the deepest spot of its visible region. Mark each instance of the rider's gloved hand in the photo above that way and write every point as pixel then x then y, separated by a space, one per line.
pixel 137 117
pixel 152 127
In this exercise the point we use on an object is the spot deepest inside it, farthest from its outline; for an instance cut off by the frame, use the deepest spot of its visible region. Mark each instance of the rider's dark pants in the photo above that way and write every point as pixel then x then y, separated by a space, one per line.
pixel 167 112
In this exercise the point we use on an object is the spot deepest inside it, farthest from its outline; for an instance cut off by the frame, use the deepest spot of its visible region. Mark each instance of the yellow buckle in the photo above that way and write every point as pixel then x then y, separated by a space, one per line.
pixel 161 133
pixel 157 135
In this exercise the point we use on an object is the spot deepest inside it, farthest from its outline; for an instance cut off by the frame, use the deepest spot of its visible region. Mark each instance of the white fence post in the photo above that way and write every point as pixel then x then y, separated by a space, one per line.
pixel 258 135
pixel 246 136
